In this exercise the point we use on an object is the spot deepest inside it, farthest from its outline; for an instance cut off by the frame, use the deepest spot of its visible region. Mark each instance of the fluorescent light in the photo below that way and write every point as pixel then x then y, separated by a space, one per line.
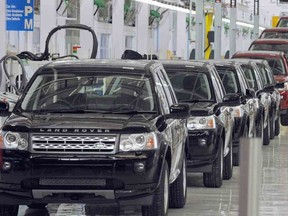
pixel 226 20
pixel 171 7
pixel 242 24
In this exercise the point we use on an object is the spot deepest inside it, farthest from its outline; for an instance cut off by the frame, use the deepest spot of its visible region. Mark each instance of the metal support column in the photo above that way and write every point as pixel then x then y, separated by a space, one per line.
pixel 118 40
pixel 256 19
pixel 3 43
pixel 233 27
pixel 200 20
pixel 217 29
pixel 250 176
pixel 3 28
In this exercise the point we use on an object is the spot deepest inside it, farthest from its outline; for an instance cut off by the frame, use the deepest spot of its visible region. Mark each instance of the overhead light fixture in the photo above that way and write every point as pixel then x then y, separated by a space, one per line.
pixel 242 24
pixel 167 6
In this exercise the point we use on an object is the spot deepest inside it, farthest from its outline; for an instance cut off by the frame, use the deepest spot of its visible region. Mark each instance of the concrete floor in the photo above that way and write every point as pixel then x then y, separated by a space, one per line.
pixel 208 201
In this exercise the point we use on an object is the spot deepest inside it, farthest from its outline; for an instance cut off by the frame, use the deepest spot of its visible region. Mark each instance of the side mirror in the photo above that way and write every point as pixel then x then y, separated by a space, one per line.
pixel 232 100
pixel 4 108
pixel 179 111
pixel 279 85
pixel 250 93
pixel 269 88
pixel 216 109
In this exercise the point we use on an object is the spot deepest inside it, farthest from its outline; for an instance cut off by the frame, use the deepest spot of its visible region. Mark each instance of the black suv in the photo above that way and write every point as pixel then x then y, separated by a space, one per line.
pixel 272 87
pixel 255 81
pixel 210 125
pixel 234 82
pixel 100 132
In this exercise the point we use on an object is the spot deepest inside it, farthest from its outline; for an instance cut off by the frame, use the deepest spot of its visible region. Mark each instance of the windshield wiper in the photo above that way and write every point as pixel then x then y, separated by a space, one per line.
pixel 196 100
pixel 71 111
pixel 134 112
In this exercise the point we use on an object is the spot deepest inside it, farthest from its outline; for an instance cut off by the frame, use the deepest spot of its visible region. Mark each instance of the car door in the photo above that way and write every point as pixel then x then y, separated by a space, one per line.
pixel 226 112
pixel 252 104
pixel 265 98
pixel 176 129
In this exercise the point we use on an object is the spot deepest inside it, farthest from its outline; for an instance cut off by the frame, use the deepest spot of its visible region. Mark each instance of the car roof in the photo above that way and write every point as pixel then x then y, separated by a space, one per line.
pixel 222 62
pixel 200 66
pixel 270 41
pixel 276 29
pixel 256 53
pixel 107 63
pixel 243 60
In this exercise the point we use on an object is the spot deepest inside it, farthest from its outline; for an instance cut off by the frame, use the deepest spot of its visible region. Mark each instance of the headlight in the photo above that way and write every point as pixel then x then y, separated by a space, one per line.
pixel 238 111
pixel 203 122
pixel 138 142
pixel 14 140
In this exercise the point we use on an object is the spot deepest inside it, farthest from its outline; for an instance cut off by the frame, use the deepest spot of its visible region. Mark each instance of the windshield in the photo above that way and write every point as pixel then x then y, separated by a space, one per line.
pixel 283 23
pixel 191 86
pixel 229 80
pixel 90 91
pixel 281 35
pixel 276 66
pixel 265 74
pixel 270 47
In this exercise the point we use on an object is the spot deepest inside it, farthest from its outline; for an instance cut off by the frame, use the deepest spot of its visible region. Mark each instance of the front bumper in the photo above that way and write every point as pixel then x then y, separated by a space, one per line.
pixel 202 148
pixel 102 180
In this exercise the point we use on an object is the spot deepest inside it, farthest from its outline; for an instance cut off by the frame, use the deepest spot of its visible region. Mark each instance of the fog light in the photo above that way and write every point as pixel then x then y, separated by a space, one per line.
pixel 139 167
pixel 6 166
pixel 22 144
pixel 202 142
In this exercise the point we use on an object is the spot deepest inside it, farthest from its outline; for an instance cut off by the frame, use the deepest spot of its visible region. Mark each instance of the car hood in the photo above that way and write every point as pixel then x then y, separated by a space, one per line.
pixel 89 123
pixel 201 108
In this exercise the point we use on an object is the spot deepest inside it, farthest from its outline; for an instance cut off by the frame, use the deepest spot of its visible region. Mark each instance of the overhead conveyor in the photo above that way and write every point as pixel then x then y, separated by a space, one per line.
pixel 13 79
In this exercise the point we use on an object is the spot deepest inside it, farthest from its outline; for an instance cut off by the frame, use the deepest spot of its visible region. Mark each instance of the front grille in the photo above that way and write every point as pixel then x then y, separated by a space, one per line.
pixel 69 182
pixel 102 144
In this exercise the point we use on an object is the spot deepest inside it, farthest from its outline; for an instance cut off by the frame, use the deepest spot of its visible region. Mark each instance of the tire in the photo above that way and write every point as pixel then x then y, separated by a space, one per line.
pixel 272 127
pixel 161 196
pixel 9 210
pixel 277 126
pixel 228 164
pixel 284 119
pixel 37 205
pixel 178 189
pixel 236 157
pixel 266 135
pixel 215 178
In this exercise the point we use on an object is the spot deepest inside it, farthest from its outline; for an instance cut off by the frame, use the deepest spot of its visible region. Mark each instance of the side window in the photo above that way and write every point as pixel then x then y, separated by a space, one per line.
pixel 167 88
pixel 216 77
pixel 164 106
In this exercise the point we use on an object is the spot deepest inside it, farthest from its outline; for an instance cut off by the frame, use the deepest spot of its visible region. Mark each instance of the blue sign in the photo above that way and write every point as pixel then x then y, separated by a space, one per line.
pixel 19 15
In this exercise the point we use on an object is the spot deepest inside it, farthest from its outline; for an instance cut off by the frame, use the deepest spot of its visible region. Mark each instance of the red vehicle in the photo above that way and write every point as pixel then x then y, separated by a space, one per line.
pixel 281 33
pixel 283 22
pixel 278 63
